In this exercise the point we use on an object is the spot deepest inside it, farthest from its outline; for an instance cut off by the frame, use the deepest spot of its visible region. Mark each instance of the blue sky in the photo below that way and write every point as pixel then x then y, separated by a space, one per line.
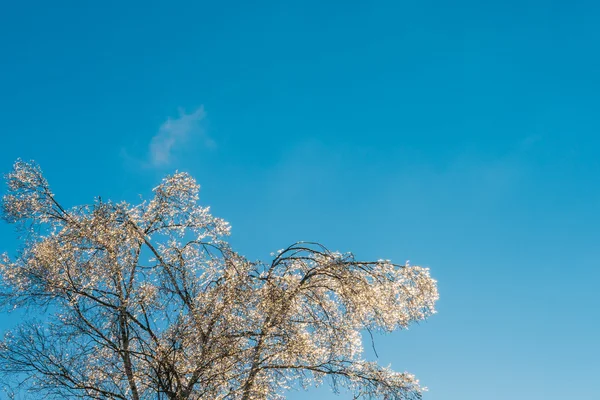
pixel 461 135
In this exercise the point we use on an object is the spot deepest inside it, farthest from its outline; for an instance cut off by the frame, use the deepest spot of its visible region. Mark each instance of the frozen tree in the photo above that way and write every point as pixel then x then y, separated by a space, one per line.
pixel 149 301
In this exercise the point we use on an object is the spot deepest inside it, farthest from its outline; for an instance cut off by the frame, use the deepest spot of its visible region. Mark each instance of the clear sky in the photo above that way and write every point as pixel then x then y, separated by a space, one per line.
pixel 462 135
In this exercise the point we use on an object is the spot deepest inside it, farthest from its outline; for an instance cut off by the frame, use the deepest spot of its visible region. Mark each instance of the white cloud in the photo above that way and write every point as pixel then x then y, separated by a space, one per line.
pixel 174 133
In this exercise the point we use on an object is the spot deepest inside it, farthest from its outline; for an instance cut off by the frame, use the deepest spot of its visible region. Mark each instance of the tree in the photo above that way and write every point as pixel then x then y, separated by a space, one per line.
pixel 149 301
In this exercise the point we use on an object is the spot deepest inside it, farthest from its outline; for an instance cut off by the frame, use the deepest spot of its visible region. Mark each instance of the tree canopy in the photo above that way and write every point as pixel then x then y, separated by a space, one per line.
pixel 149 301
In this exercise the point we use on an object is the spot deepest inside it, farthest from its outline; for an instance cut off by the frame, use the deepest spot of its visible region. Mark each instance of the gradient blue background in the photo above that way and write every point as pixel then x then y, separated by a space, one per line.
pixel 461 135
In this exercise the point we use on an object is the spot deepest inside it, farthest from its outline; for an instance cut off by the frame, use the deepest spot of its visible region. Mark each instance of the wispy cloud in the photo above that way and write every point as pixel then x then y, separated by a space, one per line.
pixel 174 133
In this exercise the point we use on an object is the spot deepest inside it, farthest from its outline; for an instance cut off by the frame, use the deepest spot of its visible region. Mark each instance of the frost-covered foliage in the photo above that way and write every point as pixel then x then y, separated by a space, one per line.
pixel 149 301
